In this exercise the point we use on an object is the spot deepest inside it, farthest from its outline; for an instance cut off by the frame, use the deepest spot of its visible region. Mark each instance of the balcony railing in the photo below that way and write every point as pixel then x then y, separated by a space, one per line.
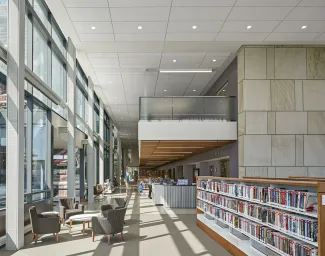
pixel 218 108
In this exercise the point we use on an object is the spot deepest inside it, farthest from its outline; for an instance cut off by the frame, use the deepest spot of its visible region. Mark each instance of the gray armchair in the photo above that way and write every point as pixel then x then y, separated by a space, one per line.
pixel 44 224
pixel 111 224
pixel 68 208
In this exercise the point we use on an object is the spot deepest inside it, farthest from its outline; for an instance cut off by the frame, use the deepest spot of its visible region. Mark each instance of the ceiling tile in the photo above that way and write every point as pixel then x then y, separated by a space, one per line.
pixel 321 38
pixel 199 13
pixel 104 62
pixel 114 97
pixel 139 55
pixel 257 26
pixel 290 37
pixel 267 2
pixel 147 27
pixel 140 14
pixel 209 63
pixel 312 3
pixel 151 62
pixel 137 3
pixel 182 60
pixel 199 81
pixel 179 91
pixel 140 37
pixel 96 37
pixel 109 79
pixel 100 27
pixel 169 81
pixel 187 26
pixel 258 13
pixel 295 26
pixel 101 55
pixel 245 37
pixel 85 3
pixel 204 2
pixel 307 13
pixel 190 37
pixel 89 14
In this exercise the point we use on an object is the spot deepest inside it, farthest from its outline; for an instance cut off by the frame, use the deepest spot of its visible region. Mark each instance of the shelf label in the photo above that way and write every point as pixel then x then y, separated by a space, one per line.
pixel 323 199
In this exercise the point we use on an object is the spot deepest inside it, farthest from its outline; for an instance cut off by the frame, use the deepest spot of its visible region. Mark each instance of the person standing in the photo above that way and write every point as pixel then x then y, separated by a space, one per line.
pixel 127 181
pixel 150 186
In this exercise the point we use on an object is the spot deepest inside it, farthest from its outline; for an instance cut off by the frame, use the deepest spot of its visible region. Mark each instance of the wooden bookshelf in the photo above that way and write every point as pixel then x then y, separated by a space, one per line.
pixel 240 242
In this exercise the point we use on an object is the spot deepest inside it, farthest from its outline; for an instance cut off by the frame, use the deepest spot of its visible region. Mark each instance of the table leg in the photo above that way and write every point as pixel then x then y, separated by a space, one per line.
pixel 70 226
pixel 88 223
pixel 83 227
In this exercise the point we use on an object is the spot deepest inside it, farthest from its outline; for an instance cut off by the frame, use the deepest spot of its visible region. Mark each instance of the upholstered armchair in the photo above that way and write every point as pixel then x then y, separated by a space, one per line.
pixel 111 224
pixel 68 208
pixel 44 224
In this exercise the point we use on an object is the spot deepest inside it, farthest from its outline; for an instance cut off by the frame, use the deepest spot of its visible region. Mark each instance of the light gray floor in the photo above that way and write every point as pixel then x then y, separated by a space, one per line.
pixel 149 231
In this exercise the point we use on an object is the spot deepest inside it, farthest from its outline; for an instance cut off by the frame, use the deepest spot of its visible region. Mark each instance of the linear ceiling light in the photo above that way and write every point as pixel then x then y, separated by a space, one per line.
pixel 166 155
pixel 185 70
pixel 172 152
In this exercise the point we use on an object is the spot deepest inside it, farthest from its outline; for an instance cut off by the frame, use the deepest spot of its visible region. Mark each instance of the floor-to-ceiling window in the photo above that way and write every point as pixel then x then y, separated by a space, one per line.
pixel 3 21
pixel 106 146
pixel 3 137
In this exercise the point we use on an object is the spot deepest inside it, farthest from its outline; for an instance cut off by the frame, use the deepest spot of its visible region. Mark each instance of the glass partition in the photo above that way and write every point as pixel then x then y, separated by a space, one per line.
pixel 188 108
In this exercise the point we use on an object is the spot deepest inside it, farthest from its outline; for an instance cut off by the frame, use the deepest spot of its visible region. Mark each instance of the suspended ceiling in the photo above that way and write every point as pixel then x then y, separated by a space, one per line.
pixel 116 52
pixel 159 152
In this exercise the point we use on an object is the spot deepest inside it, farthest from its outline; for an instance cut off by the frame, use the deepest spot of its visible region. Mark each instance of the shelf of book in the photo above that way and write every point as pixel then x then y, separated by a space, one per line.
pixel 290 211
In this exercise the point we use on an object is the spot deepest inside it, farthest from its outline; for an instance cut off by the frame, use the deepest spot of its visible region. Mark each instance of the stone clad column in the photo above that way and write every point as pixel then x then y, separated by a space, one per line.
pixel 71 96
pixel 111 151
pixel 90 147
pixel 15 126
pixel 101 143
pixel 281 120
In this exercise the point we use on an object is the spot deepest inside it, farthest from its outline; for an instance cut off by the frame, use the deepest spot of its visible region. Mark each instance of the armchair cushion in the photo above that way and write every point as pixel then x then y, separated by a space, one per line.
pixel 42 224
pixel 72 212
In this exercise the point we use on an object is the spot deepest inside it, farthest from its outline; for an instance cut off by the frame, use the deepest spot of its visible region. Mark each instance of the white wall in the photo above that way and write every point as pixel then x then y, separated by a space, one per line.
pixel 187 130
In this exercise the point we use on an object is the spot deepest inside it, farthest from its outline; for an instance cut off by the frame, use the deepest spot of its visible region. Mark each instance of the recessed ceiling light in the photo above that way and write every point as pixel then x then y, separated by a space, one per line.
pixel 303 27
pixel 115 98
pixel 194 27
pixel 194 90
pixel 139 27
pixel 249 27
pixel 121 117
pixel 223 90
pixel 109 82
pixel 165 90
pixel 93 27
pixel 124 125
pixel 214 60
pixel 119 110
pixel 6 45
pixel 174 60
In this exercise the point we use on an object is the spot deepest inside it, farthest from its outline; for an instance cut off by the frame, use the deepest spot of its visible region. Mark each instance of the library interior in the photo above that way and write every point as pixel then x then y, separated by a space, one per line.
pixel 154 127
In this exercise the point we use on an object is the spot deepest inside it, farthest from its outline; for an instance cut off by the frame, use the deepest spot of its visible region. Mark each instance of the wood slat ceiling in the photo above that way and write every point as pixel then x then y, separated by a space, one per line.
pixel 156 153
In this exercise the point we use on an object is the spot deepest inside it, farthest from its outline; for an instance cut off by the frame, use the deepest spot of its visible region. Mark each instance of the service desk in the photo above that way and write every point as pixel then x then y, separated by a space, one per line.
pixel 174 196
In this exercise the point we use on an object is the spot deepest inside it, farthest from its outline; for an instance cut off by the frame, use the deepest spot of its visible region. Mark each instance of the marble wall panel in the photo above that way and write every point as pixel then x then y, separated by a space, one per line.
pixel 256 171
pixel 256 122
pixel 256 95
pixel 240 97
pixel 283 172
pixel 291 122
pixel 241 150
pixel 241 172
pixel 283 95
pixel 241 123
pixel 316 122
pixel 270 63
pixel 314 95
pixel 316 171
pixel 271 172
pixel 290 63
pixel 299 150
pixel 316 63
pixel 299 95
pixel 283 150
pixel 255 63
pixel 257 150
pixel 271 122
pixel 241 64
pixel 314 148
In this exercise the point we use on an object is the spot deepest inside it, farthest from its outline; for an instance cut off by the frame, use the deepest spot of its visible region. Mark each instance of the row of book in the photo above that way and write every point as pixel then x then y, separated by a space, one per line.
pixel 301 200
pixel 306 228
pixel 262 233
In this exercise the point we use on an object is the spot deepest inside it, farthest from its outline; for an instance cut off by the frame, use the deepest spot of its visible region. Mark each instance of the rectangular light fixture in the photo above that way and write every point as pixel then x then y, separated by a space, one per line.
pixel 185 70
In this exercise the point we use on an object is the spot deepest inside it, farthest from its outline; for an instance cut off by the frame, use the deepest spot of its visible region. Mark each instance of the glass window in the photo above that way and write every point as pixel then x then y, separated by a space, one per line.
pixel 40 56
pixel 81 77
pixel 58 40
pixel 42 13
pixel 3 137
pixel 96 120
pixel 25 147
pixel 40 145
pixel 80 103
pixel 59 77
pixel 3 21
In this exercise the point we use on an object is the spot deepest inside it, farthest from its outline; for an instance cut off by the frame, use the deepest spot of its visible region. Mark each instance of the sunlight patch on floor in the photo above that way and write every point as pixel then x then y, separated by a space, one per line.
pixel 193 242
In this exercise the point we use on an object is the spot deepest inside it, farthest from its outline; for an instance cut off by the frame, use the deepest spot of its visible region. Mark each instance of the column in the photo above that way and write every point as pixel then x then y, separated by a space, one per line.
pixel 281 106
pixel 90 147
pixel 111 151
pixel 71 96
pixel 119 156
pixel 82 173
pixel 15 126
pixel 101 143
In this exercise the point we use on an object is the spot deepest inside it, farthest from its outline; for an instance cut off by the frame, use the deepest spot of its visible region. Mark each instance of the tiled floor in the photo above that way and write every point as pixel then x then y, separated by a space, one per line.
pixel 149 231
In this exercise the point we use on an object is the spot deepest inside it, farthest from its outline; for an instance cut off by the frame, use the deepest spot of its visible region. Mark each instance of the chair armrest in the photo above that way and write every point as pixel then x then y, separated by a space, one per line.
pixel 48 215
pixel 79 206
pixel 62 212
